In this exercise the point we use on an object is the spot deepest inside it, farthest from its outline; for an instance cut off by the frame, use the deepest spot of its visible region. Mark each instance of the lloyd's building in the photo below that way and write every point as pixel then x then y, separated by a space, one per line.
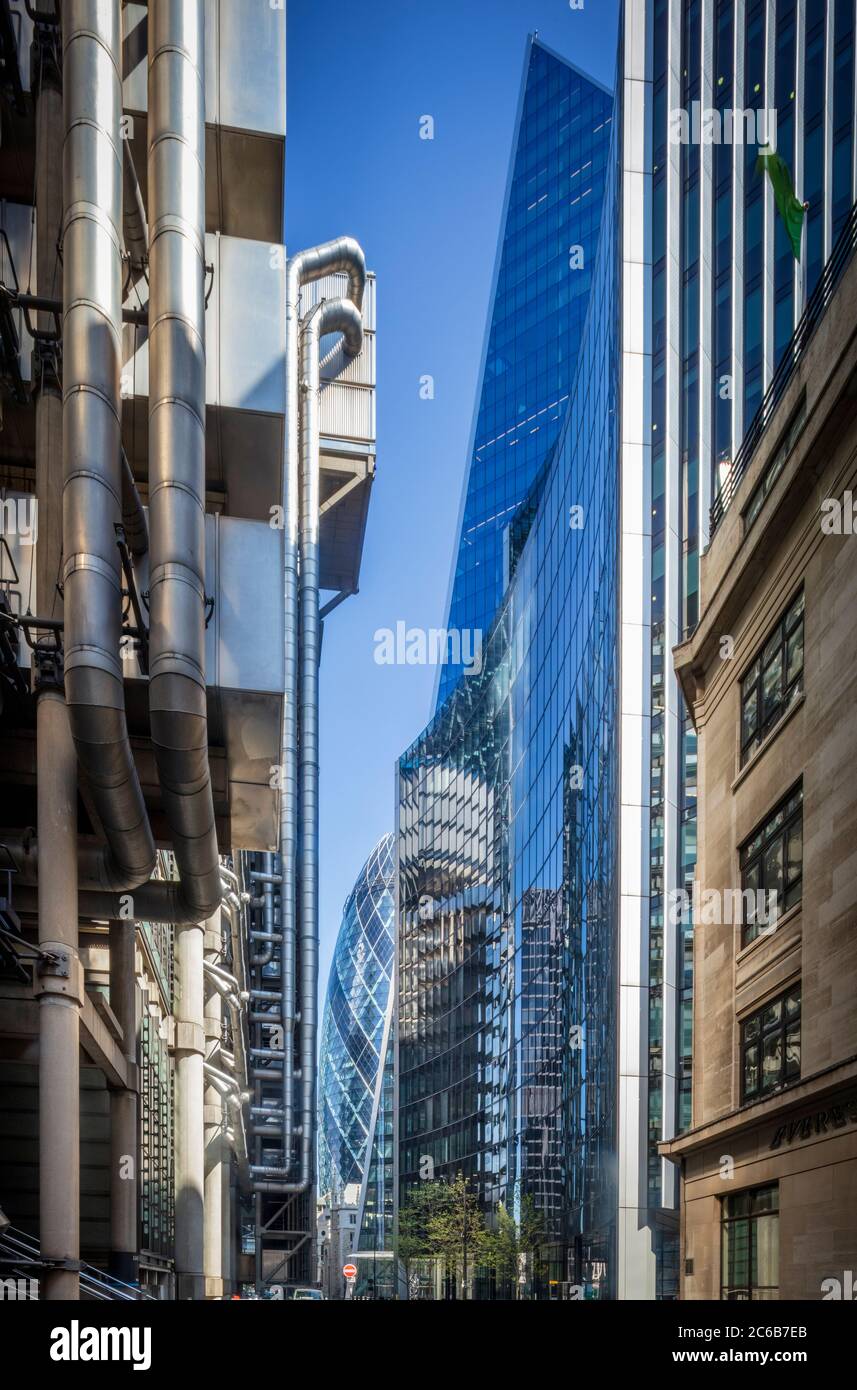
pixel 548 814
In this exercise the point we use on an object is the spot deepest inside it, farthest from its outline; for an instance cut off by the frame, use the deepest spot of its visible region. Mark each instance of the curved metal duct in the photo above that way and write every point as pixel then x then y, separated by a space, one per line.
pixel 337 315
pixel 343 254
pixel 341 315
pixel 177 694
pixel 92 485
pixel 266 954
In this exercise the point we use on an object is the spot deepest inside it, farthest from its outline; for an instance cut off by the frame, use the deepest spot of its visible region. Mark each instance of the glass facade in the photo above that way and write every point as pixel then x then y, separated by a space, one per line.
pixel 507 845
pixel 552 222
pixel 508 970
pixel 359 998
pixel 375 1263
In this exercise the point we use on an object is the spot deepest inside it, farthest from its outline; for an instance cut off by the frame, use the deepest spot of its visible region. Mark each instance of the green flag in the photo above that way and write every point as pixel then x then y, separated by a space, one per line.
pixel 791 210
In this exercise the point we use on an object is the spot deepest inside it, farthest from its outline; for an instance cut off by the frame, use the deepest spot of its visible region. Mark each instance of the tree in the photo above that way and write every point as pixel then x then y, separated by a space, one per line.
pixel 511 1241
pixel 411 1242
pixel 441 1221
pixel 502 1250
pixel 456 1229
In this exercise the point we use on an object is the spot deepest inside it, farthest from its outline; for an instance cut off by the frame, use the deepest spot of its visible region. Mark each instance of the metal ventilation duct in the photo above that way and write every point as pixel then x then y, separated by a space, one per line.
pixel 177 695
pixel 92 487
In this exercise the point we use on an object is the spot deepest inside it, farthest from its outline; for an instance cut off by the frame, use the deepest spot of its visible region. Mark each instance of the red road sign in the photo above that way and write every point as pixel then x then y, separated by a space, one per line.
pixel 350 1271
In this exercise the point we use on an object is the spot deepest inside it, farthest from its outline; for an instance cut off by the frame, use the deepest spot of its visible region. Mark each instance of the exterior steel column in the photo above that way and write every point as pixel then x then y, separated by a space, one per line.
pixel 124 1147
pixel 60 995
pixel 227 1224
pixel 189 1122
pixel 213 1120
pixel 59 999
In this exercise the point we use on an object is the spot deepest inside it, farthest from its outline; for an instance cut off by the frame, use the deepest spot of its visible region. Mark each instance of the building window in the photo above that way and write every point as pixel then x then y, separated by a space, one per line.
pixel 770 1047
pixel 772 864
pixel 773 681
pixel 750 1245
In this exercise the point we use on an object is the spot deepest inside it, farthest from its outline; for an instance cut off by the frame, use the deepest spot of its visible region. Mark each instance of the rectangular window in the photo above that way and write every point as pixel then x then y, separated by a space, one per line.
pixel 770 1047
pixel 772 863
pixel 750 1245
pixel 774 680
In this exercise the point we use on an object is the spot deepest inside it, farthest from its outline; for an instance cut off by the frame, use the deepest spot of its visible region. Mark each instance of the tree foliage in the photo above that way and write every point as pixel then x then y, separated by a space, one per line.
pixel 443 1221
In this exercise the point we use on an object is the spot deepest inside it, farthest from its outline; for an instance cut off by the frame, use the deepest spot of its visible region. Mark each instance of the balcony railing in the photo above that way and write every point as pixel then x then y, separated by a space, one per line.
pixel 811 317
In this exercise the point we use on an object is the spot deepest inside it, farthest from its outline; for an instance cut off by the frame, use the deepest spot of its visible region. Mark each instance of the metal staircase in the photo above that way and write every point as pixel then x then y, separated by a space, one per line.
pixel 21 1259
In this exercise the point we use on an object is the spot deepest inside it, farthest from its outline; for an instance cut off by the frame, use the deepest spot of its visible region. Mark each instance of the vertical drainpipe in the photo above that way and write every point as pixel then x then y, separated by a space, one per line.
pixel 123 1108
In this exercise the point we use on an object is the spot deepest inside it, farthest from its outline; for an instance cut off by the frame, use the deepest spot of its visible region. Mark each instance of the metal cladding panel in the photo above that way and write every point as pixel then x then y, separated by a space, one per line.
pixel 252 325
pixel 19 225
pixel 244 563
pixel 347 412
pixel 243 574
pixel 244 330
pixel 241 91
pixel 336 287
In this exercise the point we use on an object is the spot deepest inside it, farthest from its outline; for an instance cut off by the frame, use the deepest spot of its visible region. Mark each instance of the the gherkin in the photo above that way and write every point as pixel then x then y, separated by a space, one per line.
pixel 355 1011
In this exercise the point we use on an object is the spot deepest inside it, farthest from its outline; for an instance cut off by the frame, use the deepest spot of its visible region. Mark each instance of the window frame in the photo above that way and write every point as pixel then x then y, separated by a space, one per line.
pixel 753 854
pixel 778 1028
pixel 754 1214
pixel 791 621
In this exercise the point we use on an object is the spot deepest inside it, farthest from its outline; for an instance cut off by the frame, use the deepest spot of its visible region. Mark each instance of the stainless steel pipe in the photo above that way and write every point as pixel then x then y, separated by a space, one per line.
pixel 300 778
pixel 177 693
pixel 92 487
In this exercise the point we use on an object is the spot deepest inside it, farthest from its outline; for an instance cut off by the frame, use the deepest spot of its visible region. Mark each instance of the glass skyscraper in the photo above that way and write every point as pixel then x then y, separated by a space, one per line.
pixel 551 220
pixel 507 829
pixel 356 1026
pixel 548 812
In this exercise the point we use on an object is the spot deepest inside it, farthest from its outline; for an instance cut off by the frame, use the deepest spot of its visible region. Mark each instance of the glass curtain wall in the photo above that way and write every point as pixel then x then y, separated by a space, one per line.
pixel 552 218
pixel 507 844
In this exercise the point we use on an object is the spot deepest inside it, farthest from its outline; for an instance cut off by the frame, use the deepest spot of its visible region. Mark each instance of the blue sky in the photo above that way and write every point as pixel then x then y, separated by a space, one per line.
pixel 361 74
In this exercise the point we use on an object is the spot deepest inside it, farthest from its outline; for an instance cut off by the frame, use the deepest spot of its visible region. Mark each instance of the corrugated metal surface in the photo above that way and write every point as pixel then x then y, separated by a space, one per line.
pixel 348 412
pixel 335 366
